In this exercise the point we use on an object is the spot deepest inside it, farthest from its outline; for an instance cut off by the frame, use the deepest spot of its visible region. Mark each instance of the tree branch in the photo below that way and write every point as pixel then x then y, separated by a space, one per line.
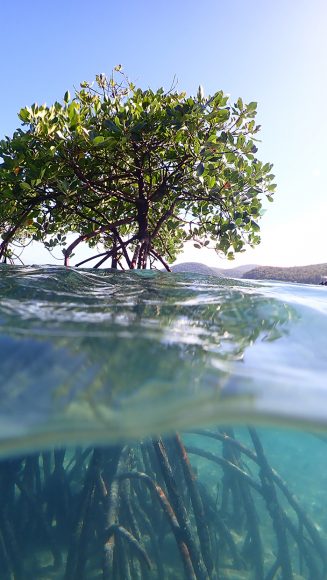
pixel 158 257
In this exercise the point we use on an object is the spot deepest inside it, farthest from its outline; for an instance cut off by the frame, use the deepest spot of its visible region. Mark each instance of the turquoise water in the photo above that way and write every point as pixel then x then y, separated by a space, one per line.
pixel 96 367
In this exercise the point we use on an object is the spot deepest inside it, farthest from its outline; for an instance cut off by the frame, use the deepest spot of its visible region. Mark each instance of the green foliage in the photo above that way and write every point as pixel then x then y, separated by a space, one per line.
pixel 136 170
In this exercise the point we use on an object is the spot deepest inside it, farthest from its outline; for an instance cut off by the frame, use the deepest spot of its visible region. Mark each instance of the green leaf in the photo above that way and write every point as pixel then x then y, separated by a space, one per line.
pixel 255 226
pixel 223 137
pixel 222 115
pixel 111 126
pixel 97 140
pixel 200 169
pixel 24 115
pixel 240 103
pixel 251 107
pixel 25 185
pixel 240 140
pixel 211 181
pixel 67 97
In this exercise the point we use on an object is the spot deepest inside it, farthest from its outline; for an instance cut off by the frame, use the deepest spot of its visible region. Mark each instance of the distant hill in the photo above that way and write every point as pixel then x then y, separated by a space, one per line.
pixel 196 267
pixel 237 272
pixel 312 274
pixel 199 268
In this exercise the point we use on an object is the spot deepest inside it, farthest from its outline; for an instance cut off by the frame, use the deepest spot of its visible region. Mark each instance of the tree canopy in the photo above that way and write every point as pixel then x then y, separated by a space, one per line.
pixel 140 172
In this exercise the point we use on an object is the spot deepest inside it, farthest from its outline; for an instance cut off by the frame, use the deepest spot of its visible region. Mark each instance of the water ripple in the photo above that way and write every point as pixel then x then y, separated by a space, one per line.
pixel 94 356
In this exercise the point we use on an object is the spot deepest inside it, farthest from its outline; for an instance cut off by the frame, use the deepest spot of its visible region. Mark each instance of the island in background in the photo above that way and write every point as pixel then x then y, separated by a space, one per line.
pixel 312 274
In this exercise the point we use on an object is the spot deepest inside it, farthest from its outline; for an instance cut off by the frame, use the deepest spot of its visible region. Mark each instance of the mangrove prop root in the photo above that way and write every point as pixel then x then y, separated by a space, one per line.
pixel 305 551
pixel 145 518
pixel 120 508
pixel 127 508
pixel 273 570
pixel 246 500
pixel 201 523
pixel 76 559
pixel 57 557
pixel 116 529
pixel 228 465
pixel 172 519
pixel 179 509
pixel 11 551
pixel 8 570
pixel 270 495
pixel 232 486
pixel 303 517
pixel 245 494
pixel 123 562
pixel 77 464
pixel 133 537
pixel 225 533
pixel 113 514
pixel 154 544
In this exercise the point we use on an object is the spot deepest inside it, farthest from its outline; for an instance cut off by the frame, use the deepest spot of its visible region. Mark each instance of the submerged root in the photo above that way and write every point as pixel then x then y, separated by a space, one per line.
pixel 144 511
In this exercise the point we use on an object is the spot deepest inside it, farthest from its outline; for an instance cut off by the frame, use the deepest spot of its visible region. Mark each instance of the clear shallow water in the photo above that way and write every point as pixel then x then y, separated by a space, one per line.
pixel 264 512
pixel 100 359
pixel 100 356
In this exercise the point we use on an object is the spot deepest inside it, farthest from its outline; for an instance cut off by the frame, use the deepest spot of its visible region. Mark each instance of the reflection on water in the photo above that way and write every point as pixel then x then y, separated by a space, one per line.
pixel 97 357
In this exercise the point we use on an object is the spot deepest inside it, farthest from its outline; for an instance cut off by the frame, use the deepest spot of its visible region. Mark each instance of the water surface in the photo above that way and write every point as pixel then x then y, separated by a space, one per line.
pixel 102 356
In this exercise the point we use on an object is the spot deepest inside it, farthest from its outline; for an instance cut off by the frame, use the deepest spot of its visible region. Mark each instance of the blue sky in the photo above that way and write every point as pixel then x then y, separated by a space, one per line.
pixel 271 52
